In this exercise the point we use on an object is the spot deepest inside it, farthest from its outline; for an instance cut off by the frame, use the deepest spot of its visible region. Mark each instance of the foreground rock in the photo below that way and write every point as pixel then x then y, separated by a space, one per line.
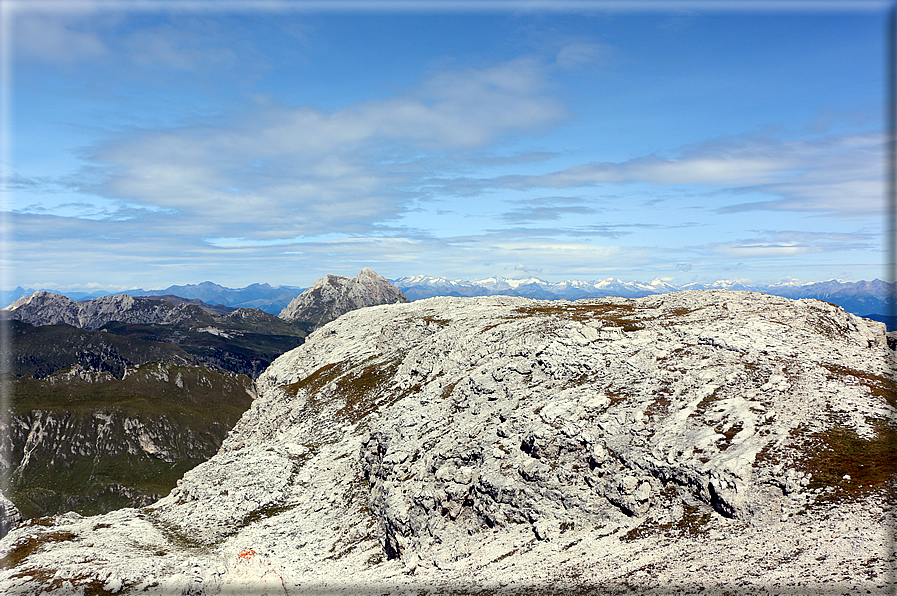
pixel 717 441
pixel 332 296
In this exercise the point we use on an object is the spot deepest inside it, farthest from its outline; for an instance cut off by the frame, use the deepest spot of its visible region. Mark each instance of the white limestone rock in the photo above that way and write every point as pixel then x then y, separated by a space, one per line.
pixel 688 443
pixel 334 295
pixel 46 308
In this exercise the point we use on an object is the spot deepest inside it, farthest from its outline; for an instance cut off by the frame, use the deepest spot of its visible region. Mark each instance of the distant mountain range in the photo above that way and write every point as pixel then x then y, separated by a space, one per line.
pixel 711 441
pixel 261 296
pixel 864 298
pixel 114 398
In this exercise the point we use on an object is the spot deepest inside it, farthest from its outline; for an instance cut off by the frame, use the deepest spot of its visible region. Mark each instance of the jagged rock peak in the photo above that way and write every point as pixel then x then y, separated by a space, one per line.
pixel 333 296
pixel 47 308
pixel 709 441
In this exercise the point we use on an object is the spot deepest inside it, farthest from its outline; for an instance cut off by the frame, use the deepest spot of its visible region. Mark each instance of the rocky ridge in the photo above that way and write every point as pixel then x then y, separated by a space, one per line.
pixel 714 440
pixel 861 298
pixel 334 295
pixel 46 308
pixel 243 340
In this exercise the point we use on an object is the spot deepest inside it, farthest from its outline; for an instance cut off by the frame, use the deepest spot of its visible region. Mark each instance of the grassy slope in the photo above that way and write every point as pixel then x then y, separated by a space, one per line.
pixel 89 460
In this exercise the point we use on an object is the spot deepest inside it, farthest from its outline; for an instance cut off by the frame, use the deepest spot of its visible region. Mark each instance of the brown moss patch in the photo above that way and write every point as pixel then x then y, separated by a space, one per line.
pixel 436 321
pixel 620 315
pixel 707 402
pixel 694 522
pixel 729 433
pixel 447 390
pixel 316 380
pixel 660 406
pixel 504 556
pixel 839 451
pixel 25 548
pixel 359 390
pixel 880 386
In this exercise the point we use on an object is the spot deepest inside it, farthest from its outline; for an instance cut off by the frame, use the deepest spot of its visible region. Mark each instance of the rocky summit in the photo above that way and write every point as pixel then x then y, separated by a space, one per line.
pixel 334 295
pixel 46 308
pixel 712 441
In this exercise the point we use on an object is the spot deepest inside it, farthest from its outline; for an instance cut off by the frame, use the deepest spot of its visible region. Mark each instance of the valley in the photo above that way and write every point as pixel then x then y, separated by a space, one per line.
pixel 711 441
pixel 111 400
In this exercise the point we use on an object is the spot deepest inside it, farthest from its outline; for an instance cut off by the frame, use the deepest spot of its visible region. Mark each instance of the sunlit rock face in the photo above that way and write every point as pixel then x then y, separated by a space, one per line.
pixel 46 308
pixel 333 295
pixel 714 440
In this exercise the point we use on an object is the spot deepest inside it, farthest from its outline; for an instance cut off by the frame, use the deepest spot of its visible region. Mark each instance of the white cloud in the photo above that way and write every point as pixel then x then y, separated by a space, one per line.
pixel 283 172
pixel 55 38
pixel 167 47
pixel 835 173
pixel 794 243
pixel 546 208
pixel 748 249
pixel 578 54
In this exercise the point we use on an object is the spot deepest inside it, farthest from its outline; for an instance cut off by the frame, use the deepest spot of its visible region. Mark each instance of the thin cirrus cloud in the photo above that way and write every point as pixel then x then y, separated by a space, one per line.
pixel 55 39
pixel 66 38
pixel 836 173
pixel 283 170
pixel 546 208
pixel 795 243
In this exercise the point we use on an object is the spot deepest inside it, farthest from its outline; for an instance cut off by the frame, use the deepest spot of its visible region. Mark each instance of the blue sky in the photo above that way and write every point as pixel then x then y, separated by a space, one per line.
pixel 158 143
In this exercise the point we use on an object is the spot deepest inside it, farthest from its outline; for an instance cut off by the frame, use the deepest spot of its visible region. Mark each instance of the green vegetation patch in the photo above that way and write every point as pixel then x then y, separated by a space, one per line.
pixel 91 486
pixel 264 513
pixel 359 389
pixel 43 350
pixel 178 537
pixel 90 460
pixel 362 386
pixel 316 380
pixel 158 387
pixel 247 348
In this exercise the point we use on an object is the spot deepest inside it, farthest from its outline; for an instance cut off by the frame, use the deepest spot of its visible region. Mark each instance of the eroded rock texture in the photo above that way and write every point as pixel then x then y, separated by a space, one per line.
pixel 713 440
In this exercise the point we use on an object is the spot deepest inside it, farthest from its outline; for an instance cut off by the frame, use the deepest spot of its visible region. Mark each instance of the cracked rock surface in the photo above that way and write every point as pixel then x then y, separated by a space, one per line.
pixel 714 440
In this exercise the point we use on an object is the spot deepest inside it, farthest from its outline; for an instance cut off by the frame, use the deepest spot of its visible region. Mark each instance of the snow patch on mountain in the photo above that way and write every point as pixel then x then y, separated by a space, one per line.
pixel 862 298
